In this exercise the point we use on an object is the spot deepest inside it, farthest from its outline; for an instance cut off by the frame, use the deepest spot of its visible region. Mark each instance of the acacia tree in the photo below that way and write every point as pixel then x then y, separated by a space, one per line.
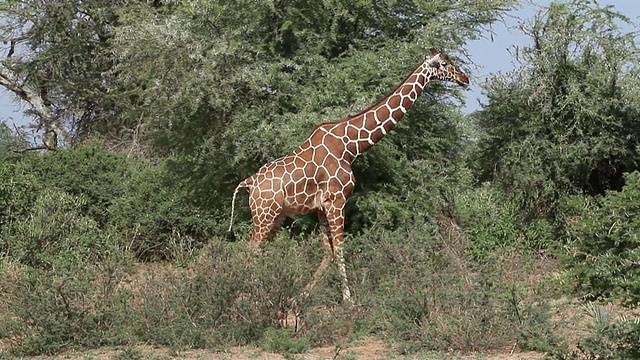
pixel 59 60
pixel 564 122
pixel 225 91
pixel 220 91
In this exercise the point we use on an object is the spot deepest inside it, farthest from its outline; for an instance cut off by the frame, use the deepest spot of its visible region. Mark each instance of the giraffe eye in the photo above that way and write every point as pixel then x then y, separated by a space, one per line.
pixel 443 63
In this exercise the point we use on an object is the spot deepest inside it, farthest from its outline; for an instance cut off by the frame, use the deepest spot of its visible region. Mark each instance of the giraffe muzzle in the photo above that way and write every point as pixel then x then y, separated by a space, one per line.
pixel 462 79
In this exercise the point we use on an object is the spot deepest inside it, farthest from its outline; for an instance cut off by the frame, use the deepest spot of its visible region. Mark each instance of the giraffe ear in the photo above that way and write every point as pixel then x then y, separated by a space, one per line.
pixel 434 52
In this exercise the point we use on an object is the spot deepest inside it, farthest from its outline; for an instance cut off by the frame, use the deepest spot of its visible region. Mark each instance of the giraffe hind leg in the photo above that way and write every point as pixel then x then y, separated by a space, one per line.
pixel 265 225
pixel 335 219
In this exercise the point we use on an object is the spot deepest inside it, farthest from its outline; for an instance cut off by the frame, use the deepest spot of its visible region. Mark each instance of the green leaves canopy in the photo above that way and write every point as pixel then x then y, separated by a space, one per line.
pixel 247 87
pixel 221 87
pixel 565 121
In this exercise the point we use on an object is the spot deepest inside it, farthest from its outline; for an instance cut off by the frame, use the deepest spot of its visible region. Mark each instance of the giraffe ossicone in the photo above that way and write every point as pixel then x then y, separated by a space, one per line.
pixel 317 176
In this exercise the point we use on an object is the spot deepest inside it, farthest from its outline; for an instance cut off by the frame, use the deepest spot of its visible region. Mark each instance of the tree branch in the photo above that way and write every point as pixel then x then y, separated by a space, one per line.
pixel 14 42
pixel 22 151
pixel 50 122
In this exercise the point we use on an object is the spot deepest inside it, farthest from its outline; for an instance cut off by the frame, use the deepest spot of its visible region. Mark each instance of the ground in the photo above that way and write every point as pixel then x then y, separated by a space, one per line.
pixel 371 350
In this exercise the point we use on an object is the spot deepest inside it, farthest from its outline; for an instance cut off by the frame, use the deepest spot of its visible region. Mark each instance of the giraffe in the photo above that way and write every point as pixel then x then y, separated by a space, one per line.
pixel 317 176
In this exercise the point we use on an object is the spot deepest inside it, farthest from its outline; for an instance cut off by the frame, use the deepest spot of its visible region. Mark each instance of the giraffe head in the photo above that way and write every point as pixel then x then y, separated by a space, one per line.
pixel 445 70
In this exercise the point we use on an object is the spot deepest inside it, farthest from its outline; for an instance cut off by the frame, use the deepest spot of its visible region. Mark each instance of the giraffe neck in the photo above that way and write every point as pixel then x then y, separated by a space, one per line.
pixel 370 126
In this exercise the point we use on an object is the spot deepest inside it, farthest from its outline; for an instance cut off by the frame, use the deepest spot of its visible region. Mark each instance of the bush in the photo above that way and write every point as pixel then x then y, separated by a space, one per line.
pixel 91 172
pixel 18 191
pixel 67 287
pixel 280 341
pixel 609 339
pixel 153 218
pixel 115 193
pixel 494 223
pixel 604 257
pixel 73 307
pixel 229 296
pixel 605 245
pixel 62 279
pixel 425 292
pixel 56 234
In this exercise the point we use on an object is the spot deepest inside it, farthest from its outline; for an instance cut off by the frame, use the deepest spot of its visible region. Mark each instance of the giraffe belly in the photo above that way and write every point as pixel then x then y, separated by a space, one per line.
pixel 301 204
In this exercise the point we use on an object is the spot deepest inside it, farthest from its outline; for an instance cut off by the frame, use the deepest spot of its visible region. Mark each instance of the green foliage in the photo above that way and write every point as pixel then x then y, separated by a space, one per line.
pixel 419 290
pixel 90 172
pixel 67 58
pixel 129 354
pixel 74 307
pixel 280 341
pixel 618 340
pixel 62 280
pixel 56 234
pixel 606 246
pixel 10 141
pixel 208 94
pixel 609 339
pixel 111 192
pixel 226 91
pixel 18 191
pixel 494 223
pixel 231 295
pixel 430 295
pixel 564 122
pixel 153 218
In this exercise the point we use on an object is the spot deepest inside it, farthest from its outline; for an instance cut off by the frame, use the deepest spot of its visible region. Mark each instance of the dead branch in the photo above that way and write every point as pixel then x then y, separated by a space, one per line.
pixel 41 147
pixel 135 144
pixel 13 43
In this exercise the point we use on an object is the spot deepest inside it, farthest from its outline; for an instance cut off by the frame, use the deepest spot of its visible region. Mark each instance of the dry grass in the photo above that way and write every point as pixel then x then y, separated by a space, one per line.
pixel 362 350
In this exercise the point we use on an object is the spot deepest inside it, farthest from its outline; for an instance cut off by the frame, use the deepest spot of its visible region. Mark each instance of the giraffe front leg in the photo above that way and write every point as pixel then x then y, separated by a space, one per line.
pixel 335 219
pixel 326 241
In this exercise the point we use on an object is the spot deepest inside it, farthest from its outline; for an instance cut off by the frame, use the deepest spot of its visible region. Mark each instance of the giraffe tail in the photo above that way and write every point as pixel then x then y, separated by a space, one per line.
pixel 243 184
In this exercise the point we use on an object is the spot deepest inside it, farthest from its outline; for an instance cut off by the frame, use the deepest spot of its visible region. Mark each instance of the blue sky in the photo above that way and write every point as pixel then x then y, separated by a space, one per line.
pixel 489 55
pixel 492 56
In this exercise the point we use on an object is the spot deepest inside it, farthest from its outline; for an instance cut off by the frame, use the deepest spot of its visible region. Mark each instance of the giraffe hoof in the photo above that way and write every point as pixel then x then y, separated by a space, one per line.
pixel 230 236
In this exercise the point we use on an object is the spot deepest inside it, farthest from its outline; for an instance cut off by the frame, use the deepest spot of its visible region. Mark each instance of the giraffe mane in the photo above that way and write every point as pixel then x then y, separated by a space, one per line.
pixel 377 104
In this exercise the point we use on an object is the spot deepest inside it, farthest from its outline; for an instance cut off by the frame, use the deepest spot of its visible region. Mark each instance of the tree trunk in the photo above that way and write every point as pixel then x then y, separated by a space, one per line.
pixel 54 132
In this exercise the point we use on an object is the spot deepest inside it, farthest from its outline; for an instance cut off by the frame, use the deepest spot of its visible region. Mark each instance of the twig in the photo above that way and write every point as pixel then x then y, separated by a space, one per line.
pixel 41 147
pixel 12 47
pixel 338 349
pixel 136 133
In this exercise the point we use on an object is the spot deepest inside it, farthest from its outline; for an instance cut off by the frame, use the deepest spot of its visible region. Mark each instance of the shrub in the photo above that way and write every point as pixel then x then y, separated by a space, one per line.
pixel 494 223
pixel 57 234
pixel 117 194
pixel 609 339
pixel 426 293
pixel 63 287
pixel 18 191
pixel 153 218
pixel 603 259
pixel 605 245
pixel 280 341
pixel 229 296
pixel 73 307
pixel 91 172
